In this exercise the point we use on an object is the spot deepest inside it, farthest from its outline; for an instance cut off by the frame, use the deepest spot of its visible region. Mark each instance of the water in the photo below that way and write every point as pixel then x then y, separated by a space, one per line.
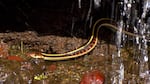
pixel 143 46
pixel 97 3
pixel 72 25
pixel 140 44
pixel 140 69
pixel 79 3
pixel 117 62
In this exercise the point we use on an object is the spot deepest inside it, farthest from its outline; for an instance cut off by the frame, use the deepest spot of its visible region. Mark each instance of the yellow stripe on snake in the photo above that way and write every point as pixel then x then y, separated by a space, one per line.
pixel 88 47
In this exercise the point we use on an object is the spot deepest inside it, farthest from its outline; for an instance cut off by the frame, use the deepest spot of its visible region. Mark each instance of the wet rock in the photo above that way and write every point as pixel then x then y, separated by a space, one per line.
pixel 15 58
pixel 52 67
pixel 92 77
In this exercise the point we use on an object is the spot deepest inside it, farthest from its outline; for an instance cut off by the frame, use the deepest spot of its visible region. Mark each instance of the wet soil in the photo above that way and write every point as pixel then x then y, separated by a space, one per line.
pixel 17 67
pixel 25 69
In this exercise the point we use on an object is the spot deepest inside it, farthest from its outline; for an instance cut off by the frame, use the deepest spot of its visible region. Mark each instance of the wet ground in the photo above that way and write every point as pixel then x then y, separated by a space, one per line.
pixel 16 64
pixel 17 67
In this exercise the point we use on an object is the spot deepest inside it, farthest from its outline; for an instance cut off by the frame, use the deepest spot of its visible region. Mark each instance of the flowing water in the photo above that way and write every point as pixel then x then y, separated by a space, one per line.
pixel 140 44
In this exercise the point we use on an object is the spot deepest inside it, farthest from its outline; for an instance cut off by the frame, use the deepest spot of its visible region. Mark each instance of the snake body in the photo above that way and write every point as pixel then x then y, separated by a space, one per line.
pixel 88 47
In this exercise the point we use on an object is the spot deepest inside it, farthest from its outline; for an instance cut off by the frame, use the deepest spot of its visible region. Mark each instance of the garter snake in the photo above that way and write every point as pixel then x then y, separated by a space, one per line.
pixel 89 46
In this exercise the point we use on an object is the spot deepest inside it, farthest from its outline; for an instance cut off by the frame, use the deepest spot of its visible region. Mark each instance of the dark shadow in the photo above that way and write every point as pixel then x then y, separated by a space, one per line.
pixel 51 17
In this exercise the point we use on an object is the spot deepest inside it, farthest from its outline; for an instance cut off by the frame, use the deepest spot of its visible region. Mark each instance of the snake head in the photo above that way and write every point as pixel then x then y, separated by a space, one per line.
pixel 35 55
